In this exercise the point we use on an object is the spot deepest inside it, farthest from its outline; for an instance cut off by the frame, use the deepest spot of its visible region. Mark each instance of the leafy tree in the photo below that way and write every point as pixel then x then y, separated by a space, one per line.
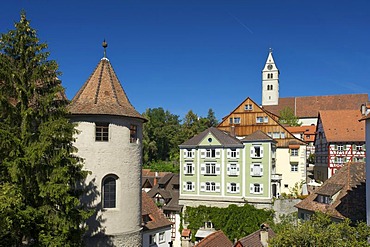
pixel 39 174
pixel 288 117
pixel 163 166
pixel 160 135
pixel 311 159
pixel 236 222
pixel 319 231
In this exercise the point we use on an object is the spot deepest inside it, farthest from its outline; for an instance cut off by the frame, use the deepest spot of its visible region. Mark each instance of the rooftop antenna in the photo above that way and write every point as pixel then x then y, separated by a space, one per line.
pixel 105 45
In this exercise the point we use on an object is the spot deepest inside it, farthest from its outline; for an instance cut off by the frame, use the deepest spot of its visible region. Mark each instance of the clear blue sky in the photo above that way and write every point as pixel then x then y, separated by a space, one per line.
pixel 200 54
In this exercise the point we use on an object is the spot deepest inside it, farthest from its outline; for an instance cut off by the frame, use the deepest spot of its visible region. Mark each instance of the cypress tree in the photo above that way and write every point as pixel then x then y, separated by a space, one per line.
pixel 40 175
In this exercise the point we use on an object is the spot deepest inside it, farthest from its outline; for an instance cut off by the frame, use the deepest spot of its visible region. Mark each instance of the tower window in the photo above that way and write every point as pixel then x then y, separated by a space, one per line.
pixel 101 132
pixel 109 191
pixel 271 75
pixel 133 133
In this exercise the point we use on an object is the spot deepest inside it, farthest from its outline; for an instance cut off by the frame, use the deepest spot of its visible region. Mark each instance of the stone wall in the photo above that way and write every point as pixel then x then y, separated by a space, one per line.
pixel 284 207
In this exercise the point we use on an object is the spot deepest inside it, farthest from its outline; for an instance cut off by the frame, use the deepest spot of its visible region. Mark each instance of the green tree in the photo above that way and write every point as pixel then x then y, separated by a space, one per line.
pixel 321 231
pixel 236 222
pixel 160 141
pixel 211 118
pixel 288 117
pixel 39 174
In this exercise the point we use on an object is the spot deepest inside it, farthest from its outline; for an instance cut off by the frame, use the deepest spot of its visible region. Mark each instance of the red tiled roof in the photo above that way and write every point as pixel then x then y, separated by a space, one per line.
pixel 158 220
pixel 343 125
pixel 254 239
pixel 216 239
pixel 305 130
pixel 309 106
pixel 102 94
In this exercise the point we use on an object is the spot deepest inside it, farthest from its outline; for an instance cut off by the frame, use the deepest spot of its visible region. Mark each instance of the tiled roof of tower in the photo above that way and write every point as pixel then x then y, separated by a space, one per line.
pixel 102 94
pixel 343 125
pixel 309 106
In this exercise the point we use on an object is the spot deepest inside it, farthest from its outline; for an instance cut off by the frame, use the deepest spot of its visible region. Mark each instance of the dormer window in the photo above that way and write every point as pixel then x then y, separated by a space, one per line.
pixel 101 132
pixel 324 199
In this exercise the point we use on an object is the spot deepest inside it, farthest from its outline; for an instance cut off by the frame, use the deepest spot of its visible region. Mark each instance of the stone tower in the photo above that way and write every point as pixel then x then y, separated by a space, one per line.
pixel 270 82
pixel 110 142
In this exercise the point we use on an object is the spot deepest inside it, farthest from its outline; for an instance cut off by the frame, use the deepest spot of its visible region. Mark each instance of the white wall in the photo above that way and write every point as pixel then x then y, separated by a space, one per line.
pixel 117 156
pixel 368 171
pixel 156 232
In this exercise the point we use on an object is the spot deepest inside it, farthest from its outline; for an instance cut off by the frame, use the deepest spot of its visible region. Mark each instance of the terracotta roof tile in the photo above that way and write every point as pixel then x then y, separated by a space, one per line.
pixel 157 218
pixel 347 204
pixel 343 125
pixel 254 239
pixel 309 106
pixel 103 94
pixel 216 239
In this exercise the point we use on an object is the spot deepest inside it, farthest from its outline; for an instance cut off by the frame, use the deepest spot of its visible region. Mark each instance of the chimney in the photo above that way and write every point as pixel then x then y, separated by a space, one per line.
pixel 264 234
pixel 232 131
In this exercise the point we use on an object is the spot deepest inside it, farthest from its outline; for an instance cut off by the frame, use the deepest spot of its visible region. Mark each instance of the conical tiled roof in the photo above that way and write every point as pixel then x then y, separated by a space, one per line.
pixel 102 94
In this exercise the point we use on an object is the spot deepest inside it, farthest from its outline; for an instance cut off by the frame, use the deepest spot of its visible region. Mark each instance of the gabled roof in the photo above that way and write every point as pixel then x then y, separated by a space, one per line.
pixel 343 125
pixel 309 106
pixel 169 192
pixel 157 218
pixel 102 94
pixel 258 136
pixel 254 239
pixel 349 185
pixel 216 239
pixel 223 137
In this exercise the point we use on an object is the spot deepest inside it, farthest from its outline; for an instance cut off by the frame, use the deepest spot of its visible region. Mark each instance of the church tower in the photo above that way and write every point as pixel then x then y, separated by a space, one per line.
pixel 270 82
pixel 110 142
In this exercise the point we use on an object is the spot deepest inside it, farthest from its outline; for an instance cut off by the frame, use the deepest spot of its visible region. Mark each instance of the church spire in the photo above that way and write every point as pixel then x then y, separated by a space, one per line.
pixel 270 81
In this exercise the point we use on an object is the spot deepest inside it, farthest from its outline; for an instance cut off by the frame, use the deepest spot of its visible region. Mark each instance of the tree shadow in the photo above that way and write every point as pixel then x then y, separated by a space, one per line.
pixel 353 204
pixel 95 235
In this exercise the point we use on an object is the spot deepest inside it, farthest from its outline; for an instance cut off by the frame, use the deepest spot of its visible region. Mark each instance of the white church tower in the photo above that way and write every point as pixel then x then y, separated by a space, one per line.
pixel 270 82
pixel 110 142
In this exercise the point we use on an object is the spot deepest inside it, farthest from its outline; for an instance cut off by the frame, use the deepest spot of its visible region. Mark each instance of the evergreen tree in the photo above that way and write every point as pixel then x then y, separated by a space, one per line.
pixel 40 177
pixel 212 120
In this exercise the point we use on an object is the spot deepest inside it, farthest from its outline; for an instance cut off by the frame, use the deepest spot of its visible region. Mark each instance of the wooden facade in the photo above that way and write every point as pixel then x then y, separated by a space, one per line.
pixel 248 117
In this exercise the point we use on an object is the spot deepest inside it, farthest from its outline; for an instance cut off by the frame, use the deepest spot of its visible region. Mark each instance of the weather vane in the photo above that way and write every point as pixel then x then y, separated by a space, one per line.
pixel 105 45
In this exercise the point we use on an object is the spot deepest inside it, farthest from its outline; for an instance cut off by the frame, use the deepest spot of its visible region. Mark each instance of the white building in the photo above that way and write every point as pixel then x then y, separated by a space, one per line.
pixel 110 142
pixel 365 109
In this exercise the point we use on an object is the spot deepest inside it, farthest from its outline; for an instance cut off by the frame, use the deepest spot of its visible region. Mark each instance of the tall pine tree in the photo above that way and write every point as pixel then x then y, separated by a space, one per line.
pixel 39 174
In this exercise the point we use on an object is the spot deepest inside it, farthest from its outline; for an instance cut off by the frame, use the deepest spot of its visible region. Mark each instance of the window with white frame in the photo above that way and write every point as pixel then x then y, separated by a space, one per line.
pixel 161 237
pixel 282 135
pixel 236 120
pixel 340 160
pixel 231 120
pixel 188 153
pixel 259 119
pixel 256 188
pixel 210 187
pixel 340 147
pixel 189 168
pixel 358 147
pixel 256 170
pixel 293 167
pixel 210 169
pixel 233 169
pixel 248 107
pixel 294 152
pixel 211 153
pixel 266 119
pixel 276 135
pixel 359 159
pixel 189 186
pixel 233 188
pixel 233 153
pixel 256 151
pixel 152 239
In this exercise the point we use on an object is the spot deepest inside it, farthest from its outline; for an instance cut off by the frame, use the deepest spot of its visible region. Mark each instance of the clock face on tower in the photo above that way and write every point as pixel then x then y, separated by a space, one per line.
pixel 269 67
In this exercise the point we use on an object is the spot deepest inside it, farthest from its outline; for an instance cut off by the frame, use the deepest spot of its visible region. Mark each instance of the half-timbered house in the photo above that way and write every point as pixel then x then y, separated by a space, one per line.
pixel 340 138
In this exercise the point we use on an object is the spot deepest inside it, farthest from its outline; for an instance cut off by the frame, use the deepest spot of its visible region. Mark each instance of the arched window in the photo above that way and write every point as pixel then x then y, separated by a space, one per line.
pixel 109 195
pixel 271 75
pixel 271 87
